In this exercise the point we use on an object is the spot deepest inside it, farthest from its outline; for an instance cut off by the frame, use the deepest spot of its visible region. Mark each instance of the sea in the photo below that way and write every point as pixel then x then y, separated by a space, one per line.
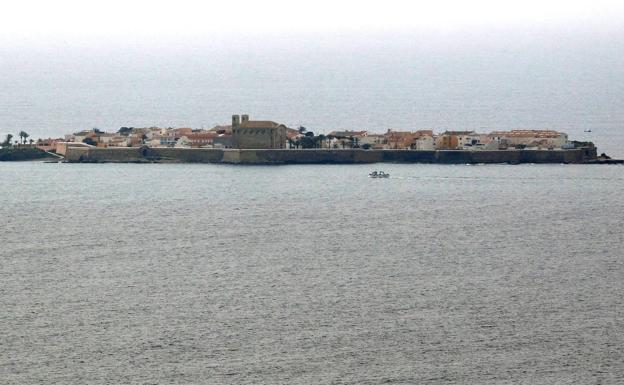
pixel 216 274
pixel 315 274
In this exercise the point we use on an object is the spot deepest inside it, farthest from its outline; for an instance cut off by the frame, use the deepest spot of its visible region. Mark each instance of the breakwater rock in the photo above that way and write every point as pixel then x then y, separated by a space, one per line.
pixel 19 153
pixel 320 156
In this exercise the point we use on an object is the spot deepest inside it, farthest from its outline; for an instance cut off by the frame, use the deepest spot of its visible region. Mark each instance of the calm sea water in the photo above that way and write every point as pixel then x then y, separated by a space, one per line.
pixel 217 274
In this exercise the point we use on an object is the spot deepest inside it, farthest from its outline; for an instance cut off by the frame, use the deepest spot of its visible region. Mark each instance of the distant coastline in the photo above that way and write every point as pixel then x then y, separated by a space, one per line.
pixel 247 141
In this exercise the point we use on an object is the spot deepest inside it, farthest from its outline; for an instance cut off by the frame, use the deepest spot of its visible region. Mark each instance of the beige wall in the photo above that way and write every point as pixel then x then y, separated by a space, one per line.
pixel 259 137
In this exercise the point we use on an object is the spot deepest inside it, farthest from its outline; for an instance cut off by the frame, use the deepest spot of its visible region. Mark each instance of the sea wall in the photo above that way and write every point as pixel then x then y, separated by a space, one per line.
pixel 142 155
pixel 407 156
pixel 320 156
pixel 187 155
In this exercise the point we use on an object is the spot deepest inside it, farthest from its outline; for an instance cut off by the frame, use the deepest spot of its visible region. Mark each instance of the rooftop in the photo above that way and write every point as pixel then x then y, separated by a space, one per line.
pixel 259 124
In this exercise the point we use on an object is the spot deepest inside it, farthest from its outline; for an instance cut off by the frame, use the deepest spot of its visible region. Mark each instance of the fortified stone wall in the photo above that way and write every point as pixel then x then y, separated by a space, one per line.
pixel 319 156
pixel 191 155
pixel 306 156
pixel 94 154
pixel 405 156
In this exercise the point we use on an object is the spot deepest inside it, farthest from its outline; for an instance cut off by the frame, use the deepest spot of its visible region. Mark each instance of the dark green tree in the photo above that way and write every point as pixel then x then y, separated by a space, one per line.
pixel 7 141
pixel 89 141
pixel 23 136
pixel 308 142
pixel 322 138
pixel 125 130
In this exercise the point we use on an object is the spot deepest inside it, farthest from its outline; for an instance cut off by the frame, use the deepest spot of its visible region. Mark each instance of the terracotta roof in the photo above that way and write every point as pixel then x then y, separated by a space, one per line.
pixel 259 124
pixel 459 133
pixel 527 133
pixel 420 133
pixel 292 135
pixel 225 128
pixel 202 135
pixel 348 133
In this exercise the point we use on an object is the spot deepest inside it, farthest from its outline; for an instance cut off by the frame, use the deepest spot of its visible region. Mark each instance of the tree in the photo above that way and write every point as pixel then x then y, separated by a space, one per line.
pixel 89 141
pixel 125 130
pixel 23 135
pixel 302 129
pixel 330 138
pixel 322 138
pixel 308 142
pixel 31 141
pixel 7 141
pixel 291 143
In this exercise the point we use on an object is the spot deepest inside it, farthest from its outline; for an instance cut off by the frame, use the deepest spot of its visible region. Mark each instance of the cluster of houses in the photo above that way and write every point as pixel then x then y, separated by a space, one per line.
pixel 457 140
pixel 246 133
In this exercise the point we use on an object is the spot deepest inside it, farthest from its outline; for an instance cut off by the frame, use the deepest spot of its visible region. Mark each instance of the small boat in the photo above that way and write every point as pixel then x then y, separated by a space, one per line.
pixel 378 174
pixel 588 130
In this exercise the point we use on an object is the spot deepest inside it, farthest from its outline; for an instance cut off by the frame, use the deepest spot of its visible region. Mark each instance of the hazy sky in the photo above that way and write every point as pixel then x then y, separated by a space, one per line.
pixel 119 20
pixel 66 65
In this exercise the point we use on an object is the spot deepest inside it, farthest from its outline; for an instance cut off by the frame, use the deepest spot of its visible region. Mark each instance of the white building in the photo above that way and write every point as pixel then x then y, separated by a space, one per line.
pixel 425 143
pixel 530 138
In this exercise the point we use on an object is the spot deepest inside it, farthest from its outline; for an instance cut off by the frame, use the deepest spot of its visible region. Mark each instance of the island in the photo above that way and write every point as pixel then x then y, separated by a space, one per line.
pixel 246 141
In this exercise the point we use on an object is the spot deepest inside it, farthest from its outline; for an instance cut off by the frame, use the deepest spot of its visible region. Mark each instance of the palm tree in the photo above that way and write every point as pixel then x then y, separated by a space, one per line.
pixel 329 140
pixel 23 135
pixel 7 141
pixel 302 129
pixel 322 138
pixel 31 141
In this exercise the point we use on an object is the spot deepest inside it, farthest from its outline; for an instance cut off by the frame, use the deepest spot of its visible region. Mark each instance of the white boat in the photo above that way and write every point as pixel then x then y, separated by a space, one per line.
pixel 378 174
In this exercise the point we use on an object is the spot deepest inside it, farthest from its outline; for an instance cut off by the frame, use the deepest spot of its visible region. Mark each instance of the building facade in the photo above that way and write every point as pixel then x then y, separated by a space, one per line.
pixel 257 134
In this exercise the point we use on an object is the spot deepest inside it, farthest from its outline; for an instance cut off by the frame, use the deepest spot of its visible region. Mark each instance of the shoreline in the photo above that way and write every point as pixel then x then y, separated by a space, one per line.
pixel 584 155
